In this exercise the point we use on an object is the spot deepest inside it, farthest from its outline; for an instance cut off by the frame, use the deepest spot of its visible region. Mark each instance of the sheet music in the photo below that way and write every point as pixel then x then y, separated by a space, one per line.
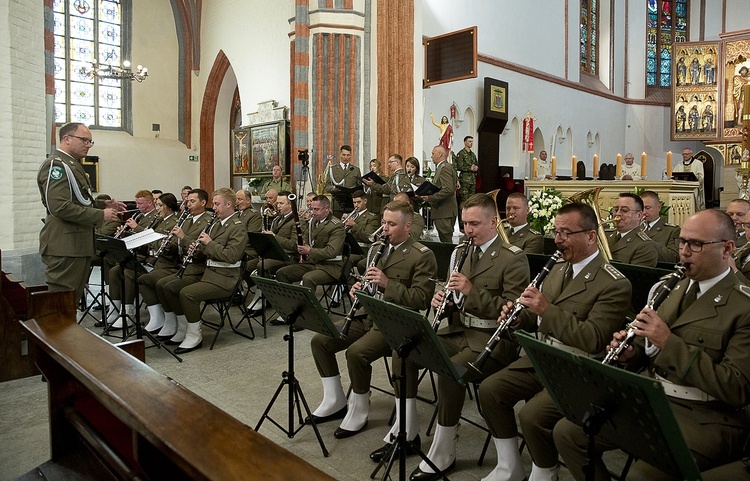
pixel 142 238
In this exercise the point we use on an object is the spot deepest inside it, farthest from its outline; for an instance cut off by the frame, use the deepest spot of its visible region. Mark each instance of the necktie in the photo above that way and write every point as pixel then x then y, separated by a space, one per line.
pixel 690 296
pixel 475 255
pixel 568 277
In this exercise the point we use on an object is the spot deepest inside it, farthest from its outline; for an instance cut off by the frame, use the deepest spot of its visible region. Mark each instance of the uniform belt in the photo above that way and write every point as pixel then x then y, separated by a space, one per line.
pixel 387 196
pixel 334 259
pixel 560 345
pixel 222 265
pixel 473 321
pixel 678 391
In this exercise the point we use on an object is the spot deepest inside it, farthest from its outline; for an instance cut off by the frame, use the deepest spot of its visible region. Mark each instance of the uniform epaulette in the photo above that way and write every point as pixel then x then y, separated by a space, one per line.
pixel 670 225
pixel 335 221
pixel 421 247
pixel 535 232
pixel 237 221
pixel 612 271
pixel 644 236
pixel 744 289
pixel 513 249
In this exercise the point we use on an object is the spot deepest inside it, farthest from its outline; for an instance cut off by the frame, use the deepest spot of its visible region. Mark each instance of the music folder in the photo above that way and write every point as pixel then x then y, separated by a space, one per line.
pixel 427 188
pixel 684 176
pixel 374 177
pixel 142 238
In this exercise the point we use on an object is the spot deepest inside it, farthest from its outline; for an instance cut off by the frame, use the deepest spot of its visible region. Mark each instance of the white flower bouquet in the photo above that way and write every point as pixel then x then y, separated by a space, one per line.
pixel 543 207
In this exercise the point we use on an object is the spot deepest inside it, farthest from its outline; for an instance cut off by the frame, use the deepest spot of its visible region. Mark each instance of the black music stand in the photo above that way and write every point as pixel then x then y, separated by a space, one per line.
pixel 298 305
pixel 410 334
pixel 356 249
pixel 343 197
pixel 101 298
pixel 627 409
pixel 267 247
pixel 443 252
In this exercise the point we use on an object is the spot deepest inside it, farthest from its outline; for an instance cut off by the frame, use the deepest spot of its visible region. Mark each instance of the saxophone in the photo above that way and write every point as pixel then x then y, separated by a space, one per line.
pixel 320 187
pixel 366 286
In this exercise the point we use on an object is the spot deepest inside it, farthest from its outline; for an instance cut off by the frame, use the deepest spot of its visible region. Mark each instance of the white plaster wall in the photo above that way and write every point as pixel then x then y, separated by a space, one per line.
pixel 222 156
pixel 636 50
pixel 738 15
pixel 23 141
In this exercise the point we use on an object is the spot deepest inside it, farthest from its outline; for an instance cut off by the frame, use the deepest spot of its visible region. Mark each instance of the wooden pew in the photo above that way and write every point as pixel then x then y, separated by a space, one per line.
pixel 15 303
pixel 140 424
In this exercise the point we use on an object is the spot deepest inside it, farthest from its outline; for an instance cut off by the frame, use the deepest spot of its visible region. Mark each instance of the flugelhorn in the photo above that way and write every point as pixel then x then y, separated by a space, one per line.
pixel 499 226
pixel 661 293
pixel 478 364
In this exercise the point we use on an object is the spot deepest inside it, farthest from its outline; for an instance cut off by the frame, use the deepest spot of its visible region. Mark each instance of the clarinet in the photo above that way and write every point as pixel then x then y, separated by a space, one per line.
pixel 127 228
pixel 661 293
pixel 440 310
pixel 483 356
pixel 165 242
pixel 366 286
pixel 194 247
pixel 300 241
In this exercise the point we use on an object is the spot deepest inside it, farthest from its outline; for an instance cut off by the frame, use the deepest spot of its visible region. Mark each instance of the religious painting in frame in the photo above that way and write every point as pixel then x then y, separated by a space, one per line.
pixel 736 75
pixel 696 81
pixel 266 144
pixel 241 151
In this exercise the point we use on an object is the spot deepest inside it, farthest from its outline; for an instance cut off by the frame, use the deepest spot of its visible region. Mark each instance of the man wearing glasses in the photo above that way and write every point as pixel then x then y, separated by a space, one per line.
pixel 66 241
pixel 581 303
pixel 628 243
pixel 697 346
pixel 662 233
pixel 397 182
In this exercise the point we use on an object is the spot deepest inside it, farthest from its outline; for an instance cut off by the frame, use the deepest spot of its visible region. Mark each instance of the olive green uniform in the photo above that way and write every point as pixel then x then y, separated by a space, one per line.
pixel 527 239
pixel 635 247
pixel 500 275
pixel 324 263
pixel 443 207
pixel 66 241
pixel 253 223
pixel 665 236
pixel 114 272
pixel 417 226
pixel 285 233
pixel 582 316
pixel 409 269
pixel 278 185
pixel 742 262
pixel 338 177
pixel 708 349
pixel 397 183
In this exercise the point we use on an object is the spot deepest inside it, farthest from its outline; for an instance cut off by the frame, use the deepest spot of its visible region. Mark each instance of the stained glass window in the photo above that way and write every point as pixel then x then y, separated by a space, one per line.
pixel 666 23
pixel 87 32
pixel 589 36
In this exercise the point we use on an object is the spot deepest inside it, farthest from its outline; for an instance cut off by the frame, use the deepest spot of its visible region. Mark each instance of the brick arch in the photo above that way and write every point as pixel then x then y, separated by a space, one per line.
pixel 208 118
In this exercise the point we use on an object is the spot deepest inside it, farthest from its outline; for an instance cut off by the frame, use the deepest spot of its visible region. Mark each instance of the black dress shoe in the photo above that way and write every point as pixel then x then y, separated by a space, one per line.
pixel 169 342
pixel 165 338
pixel 335 304
pixel 419 475
pixel 277 322
pixel 185 350
pixel 340 414
pixel 98 324
pixel 341 433
pixel 255 312
pixel 297 328
pixel 412 448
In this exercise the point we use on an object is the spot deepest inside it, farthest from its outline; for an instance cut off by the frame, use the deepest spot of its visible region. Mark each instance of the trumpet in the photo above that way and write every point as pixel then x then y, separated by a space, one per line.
pixel 510 319
pixel 440 310
pixel 366 286
pixel 661 293
pixel 375 235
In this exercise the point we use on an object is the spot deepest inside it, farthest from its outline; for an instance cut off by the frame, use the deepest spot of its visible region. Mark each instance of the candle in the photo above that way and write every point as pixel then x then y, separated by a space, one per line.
pixel 554 166
pixel 574 167
pixel 533 168
pixel 596 166
pixel 669 164
pixel 643 165
pixel 618 166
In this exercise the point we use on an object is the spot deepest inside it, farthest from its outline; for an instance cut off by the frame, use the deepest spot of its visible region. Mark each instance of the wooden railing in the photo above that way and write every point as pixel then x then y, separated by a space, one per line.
pixel 140 424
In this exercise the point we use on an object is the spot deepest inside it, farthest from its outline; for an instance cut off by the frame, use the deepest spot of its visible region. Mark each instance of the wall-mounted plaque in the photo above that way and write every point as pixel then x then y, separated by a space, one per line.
pixel 449 57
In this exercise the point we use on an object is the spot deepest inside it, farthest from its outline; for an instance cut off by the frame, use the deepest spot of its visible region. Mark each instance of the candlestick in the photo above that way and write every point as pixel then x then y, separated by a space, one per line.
pixel 533 168
pixel 554 166
pixel 574 167
pixel 643 165
pixel 669 164
pixel 596 166
pixel 618 166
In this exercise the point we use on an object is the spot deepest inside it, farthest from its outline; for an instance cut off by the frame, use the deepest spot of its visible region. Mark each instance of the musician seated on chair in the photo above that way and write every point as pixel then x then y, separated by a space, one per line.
pixel 417 222
pixel 144 201
pixel 361 223
pixel 519 233
pixel 493 273
pixel 581 303
pixel 223 245
pixel 696 345
pixel 323 242
pixel 628 243
pixel 403 275
pixel 162 319
pixel 662 233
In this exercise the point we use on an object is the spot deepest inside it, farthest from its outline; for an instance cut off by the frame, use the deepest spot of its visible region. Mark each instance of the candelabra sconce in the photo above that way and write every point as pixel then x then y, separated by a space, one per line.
pixel 119 73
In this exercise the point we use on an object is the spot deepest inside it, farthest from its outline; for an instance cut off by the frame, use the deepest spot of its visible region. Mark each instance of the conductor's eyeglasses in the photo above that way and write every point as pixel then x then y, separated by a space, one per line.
pixel 695 245
pixel 83 139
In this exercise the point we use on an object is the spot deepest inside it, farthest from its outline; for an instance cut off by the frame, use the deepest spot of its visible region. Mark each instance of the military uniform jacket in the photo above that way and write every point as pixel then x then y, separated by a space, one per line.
pixel 417 226
pixel 740 241
pixel 286 233
pixel 443 203
pixel 192 230
pixel 409 269
pixel 253 223
pixel 279 185
pixel 364 225
pixel 742 262
pixel 326 241
pixel 165 226
pixel 228 242
pixel 144 221
pixel 72 212
pixel 398 182
pixel 338 177
pixel 635 247
pixel 665 236
pixel 500 275
pixel 709 350
pixel 586 314
pixel 527 239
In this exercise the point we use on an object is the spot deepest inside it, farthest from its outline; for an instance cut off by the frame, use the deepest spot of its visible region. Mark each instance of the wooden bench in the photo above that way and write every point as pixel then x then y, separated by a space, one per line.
pixel 139 424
